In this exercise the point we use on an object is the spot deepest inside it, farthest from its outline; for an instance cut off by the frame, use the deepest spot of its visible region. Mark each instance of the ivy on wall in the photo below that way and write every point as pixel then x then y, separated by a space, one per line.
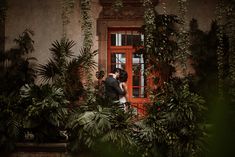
pixel 86 23
pixel 183 36
pixel 67 8
pixel 220 47
pixel 230 29
pixel 117 5
pixel 150 28
pixel 87 43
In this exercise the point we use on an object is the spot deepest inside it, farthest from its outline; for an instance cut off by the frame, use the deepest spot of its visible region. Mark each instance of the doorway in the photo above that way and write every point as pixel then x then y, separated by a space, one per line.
pixel 122 53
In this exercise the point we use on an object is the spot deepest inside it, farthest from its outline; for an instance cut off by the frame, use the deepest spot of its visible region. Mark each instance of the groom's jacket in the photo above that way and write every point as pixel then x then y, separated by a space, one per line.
pixel 112 88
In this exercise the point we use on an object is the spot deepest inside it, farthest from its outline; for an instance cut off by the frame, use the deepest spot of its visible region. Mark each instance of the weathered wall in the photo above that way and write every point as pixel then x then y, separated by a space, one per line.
pixel 201 10
pixel 44 18
pixel 2 36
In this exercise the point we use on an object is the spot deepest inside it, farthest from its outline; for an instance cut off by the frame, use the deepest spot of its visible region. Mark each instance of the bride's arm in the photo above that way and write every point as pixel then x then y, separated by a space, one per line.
pixel 124 87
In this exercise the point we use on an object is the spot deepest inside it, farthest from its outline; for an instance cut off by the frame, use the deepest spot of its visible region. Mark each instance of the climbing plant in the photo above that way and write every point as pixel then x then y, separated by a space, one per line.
pixel 86 23
pixel 166 131
pixel 220 48
pixel 67 8
pixel 183 36
pixel 117 5
pixel 149 17
pixel 230 30
pixel 87 41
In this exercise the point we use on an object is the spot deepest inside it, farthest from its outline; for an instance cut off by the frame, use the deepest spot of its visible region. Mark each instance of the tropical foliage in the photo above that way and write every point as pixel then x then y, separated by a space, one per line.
pixel 16 70
pixel 66 70
pixel 100 126
pixel 174 125
pixel 10 123
pixel 45 111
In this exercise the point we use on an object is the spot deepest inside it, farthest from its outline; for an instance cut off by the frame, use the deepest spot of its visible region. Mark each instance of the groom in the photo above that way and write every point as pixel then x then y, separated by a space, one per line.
pixel 112 88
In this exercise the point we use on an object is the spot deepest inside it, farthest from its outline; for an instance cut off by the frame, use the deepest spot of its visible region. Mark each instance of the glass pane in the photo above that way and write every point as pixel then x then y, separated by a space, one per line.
pixel 129 39
pixel 137 40
pixel 139 79
pixel 123 40
pixel 118 60
pixel 113 40
pixel 136 81
pixel 139 92
pixel 126 38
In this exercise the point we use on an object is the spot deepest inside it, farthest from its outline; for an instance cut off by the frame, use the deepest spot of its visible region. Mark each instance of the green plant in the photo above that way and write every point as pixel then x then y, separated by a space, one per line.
pixel 46 111
pixel 161 52
pixel 86 23
pixel 117 5
pixel 16 69
pixel 96 125
pixel 175 124
pixel 10 123
pixel 67 71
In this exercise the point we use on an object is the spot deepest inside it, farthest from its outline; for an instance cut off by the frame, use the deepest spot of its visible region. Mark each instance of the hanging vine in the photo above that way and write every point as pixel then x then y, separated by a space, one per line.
pixel 117 5
pixel 149 29
pixel 87 42
pixel 67 8
pixel 86 23
pixel 220 47
pixel 183 36
pixel 230 30
pixel 149 18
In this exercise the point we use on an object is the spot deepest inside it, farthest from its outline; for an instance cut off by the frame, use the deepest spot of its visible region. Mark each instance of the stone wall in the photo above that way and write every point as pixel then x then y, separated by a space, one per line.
pixel 44 18
pixel 201 10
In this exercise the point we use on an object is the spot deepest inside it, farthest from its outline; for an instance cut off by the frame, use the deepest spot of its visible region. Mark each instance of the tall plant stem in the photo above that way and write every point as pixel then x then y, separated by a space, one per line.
pixel 220 48
pixel 183 38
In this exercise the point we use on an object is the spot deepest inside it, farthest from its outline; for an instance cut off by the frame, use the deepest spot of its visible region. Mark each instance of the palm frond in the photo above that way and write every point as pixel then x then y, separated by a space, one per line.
pixel 86 58
pixel 49 71
pixel 62 48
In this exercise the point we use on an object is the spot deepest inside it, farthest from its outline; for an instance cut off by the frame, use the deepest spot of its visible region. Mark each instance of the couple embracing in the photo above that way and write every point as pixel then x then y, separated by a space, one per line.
pixel 116 87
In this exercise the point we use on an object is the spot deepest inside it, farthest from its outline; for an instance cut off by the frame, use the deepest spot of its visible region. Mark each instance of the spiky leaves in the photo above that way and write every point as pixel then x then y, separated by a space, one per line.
pixel 67 71
pixel 56 67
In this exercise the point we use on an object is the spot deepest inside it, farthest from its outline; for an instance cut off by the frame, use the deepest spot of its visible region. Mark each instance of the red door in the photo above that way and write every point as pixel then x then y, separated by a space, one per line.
pixel 122 54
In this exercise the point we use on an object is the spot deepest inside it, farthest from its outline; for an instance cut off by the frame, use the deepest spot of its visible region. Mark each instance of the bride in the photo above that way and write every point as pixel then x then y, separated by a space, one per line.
pixel 123 99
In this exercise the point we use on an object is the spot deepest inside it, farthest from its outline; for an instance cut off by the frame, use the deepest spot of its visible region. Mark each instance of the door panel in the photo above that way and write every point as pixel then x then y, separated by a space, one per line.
pixel 122 54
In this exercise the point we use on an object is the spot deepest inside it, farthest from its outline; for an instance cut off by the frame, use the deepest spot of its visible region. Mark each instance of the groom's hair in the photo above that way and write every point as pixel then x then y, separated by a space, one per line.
pixel 114 70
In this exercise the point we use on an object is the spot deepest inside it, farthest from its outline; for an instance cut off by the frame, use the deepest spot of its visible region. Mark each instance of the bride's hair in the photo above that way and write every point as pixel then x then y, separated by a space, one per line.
pixel 123 76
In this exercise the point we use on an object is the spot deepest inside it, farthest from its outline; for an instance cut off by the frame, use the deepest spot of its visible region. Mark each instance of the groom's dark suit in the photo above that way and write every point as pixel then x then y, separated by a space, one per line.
pixel 112 88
